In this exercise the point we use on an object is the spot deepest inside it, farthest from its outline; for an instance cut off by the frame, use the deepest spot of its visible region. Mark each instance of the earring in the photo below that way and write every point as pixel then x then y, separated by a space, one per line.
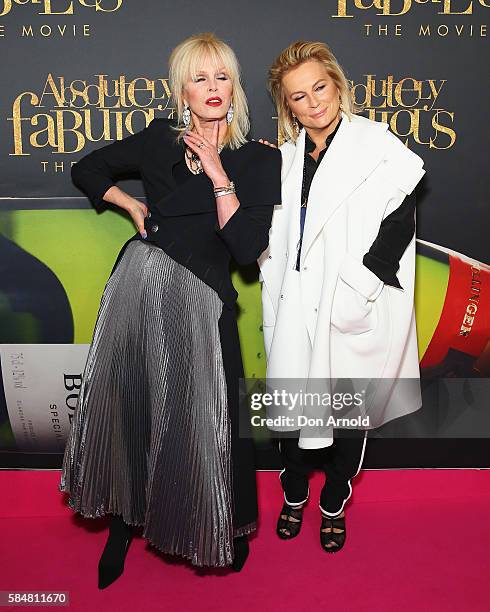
pixel 186 116
pixel 229 114
pixel 296 127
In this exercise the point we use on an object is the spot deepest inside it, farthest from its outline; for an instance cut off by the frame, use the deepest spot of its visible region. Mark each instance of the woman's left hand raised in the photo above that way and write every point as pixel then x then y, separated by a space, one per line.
pixel 207 151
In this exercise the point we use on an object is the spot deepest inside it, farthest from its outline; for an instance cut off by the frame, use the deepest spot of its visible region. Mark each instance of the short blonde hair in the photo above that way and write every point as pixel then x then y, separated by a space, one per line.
pixel 296 54
pixel 185 61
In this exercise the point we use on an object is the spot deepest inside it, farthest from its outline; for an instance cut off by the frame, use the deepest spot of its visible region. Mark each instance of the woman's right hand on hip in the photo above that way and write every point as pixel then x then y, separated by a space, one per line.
pixel 136 209
pixel 138 212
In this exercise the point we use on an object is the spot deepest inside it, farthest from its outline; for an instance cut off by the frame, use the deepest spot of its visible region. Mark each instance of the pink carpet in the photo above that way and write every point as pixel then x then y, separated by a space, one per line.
pixel 417 540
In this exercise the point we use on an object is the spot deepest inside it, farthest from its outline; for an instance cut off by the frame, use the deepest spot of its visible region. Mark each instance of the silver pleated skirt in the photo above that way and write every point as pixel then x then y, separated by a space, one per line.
pixel 151 437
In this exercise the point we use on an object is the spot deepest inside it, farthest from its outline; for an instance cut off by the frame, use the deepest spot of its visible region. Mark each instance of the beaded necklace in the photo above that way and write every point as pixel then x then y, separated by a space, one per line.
pixel 195 162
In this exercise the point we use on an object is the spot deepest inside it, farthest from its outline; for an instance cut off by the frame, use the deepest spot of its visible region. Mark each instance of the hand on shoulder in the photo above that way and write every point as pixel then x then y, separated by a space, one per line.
pixel 266 142
pixel 266 151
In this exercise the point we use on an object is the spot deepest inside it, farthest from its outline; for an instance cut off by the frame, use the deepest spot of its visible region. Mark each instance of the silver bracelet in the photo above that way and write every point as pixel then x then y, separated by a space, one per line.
pixel 227 190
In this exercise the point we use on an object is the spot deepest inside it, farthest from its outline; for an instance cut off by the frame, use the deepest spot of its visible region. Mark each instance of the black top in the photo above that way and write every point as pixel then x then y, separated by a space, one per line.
pixel 309 168
pixel 181 172
pixel 182 216
pixel 395 232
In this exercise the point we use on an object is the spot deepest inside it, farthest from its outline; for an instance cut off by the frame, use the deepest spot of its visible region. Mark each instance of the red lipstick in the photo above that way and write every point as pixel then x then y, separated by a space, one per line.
pixel 214 101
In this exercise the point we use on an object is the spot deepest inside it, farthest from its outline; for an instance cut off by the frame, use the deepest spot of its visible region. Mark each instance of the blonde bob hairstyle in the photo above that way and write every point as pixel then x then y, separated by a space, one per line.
pixel 184 64
pixel 296 54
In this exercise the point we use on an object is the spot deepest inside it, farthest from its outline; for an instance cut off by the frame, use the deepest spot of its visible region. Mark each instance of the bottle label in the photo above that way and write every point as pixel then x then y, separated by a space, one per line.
pixel 464 325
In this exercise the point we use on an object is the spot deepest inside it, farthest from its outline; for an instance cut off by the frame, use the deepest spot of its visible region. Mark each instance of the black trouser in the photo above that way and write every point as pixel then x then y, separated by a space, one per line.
pixel 341 462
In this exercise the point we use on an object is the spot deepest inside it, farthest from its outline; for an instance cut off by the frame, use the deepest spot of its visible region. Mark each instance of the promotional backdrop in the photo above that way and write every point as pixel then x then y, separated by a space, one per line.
pixel 79 74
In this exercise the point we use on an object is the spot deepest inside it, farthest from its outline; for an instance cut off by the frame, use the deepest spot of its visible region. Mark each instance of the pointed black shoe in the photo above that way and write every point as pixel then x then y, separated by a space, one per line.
pixel 240 546
pixel 111 563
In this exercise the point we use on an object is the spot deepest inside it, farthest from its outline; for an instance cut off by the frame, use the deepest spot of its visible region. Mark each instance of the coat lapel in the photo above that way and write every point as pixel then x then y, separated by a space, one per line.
pixel 291 194
pixel 193 196
pixel 355 151
pixel 293 178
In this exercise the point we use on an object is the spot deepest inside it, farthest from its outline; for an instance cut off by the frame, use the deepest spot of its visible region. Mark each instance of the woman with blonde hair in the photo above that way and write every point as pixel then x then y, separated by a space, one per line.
pixel 154 439
pixel 338 281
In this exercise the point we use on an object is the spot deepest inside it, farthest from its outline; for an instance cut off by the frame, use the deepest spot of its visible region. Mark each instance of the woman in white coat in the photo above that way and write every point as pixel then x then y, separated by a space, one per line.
pixel 337 278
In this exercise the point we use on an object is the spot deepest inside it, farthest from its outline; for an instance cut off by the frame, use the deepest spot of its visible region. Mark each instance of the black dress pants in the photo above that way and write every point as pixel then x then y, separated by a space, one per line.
pixel 341 462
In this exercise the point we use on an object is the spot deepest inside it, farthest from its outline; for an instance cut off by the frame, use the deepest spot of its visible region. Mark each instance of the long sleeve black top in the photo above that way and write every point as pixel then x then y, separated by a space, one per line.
pixel 182 216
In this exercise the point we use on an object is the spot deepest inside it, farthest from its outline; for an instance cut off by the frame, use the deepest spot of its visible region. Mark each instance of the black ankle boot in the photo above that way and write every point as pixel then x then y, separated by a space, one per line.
pixel 111 564
pixel 240 546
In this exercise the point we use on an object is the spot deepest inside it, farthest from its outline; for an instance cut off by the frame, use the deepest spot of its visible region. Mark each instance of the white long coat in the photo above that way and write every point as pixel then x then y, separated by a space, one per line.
pixel 334 318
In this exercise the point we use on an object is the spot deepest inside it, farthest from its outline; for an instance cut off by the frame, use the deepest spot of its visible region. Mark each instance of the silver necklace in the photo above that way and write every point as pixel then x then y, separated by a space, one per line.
pixel 195 162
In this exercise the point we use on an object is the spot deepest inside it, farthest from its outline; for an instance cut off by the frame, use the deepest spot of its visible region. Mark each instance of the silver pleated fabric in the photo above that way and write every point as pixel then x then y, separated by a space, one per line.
pixel 151 438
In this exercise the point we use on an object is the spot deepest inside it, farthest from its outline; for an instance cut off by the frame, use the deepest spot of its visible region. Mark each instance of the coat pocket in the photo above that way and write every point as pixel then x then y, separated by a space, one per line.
pixel 352 313
pixel 354 308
